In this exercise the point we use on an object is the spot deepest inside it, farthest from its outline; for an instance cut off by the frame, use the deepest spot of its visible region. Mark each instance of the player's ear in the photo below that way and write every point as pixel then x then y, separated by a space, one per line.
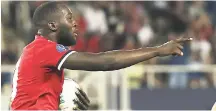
pixel 53 26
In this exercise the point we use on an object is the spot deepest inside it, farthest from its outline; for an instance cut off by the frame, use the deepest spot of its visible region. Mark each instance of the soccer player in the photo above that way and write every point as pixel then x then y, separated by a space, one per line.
pixel 38 77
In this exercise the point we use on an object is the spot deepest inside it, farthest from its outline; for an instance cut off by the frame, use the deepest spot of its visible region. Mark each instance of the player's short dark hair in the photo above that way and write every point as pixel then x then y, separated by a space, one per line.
pixel 47 12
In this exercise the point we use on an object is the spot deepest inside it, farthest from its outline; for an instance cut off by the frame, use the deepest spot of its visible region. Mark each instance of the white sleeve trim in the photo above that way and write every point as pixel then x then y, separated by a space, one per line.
pixel 63 60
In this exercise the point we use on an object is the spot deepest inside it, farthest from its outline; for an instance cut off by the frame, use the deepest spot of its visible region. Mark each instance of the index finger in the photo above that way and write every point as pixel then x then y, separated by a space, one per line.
pixel 183 40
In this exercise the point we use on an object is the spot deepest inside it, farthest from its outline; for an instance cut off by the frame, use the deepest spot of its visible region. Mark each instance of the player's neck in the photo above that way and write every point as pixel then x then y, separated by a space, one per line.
pixel 50 36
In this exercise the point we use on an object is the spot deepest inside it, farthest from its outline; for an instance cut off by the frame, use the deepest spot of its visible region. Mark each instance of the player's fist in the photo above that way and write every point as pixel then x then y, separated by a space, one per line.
pixel 173 47
pixel 82 102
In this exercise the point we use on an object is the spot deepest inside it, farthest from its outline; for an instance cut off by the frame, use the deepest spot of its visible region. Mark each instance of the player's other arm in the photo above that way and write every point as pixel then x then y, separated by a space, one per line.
pixel 114 60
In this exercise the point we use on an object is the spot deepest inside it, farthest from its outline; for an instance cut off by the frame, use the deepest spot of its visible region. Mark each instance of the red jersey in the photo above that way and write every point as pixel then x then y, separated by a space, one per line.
pixel 38 77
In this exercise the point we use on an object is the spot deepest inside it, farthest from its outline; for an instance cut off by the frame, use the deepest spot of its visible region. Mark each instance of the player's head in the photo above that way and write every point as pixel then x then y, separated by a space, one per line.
pixel 55 18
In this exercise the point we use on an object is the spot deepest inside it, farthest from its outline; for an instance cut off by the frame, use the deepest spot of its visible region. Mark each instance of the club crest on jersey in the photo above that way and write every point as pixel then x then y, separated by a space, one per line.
pixel 60 48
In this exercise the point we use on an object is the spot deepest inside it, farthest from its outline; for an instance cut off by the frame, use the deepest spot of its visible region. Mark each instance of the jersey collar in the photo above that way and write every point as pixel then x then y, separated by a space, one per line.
pixel 39 37
pixel 42 38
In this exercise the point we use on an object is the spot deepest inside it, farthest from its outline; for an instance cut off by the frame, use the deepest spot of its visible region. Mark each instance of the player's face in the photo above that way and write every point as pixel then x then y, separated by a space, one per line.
pixel 67 29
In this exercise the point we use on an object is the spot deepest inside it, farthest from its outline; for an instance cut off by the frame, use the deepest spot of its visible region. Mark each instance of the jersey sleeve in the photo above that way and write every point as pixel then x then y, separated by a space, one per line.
pixel 54 55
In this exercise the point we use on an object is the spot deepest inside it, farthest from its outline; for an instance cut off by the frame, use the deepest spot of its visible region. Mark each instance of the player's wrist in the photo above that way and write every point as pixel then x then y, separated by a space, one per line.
pixel 157 51
pixel 154 50
pixel 161 51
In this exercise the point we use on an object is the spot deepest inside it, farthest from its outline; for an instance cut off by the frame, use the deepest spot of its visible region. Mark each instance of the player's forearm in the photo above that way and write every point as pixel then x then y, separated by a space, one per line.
pixel 111 60
pixel 122 59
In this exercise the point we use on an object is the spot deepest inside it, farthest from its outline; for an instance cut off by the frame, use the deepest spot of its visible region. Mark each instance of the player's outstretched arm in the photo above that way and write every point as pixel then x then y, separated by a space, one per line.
pixel 114 60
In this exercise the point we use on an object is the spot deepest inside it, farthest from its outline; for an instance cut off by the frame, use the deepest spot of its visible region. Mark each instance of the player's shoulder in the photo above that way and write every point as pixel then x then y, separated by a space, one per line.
pixel 43 45
pixel 39 44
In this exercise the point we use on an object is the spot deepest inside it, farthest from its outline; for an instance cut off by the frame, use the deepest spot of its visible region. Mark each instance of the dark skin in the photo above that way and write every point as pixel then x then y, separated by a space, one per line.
pixel 106 61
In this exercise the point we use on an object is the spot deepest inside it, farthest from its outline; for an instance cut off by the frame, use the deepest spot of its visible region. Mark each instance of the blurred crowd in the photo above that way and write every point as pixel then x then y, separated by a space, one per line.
pixel 115 25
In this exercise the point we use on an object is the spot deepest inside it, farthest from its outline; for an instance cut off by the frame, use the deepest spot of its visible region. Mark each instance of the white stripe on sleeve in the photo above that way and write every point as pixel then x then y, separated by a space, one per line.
pixel 63 60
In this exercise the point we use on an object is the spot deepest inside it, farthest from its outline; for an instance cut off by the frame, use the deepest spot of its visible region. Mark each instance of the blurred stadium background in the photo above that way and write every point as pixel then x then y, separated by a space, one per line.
pixel 168 83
